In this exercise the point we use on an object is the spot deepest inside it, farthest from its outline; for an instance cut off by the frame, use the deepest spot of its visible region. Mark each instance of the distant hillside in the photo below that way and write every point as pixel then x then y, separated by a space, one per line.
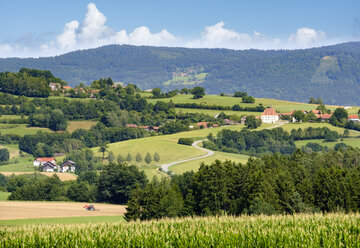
pixel 332 72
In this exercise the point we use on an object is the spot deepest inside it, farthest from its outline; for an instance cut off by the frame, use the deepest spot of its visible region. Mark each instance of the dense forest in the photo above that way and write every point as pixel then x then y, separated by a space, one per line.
pixel 329 72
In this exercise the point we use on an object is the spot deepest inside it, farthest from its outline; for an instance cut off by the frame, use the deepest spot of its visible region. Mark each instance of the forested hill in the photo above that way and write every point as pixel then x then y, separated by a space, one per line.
pixel 332 72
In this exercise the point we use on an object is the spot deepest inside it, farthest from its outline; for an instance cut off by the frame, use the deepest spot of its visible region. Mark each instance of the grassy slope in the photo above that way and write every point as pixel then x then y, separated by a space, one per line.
pixel 4 195
pixel 282 106
pixel 288 127
pixel 354 142
pixel 64 220
pixel 214 112
pixel 20 129
pixel 73 125
pixel 10 117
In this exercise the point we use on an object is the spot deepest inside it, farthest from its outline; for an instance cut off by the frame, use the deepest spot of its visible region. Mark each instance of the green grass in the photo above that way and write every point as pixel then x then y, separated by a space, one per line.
pixel 73 125
pixel 10 117
pixel 185 80
pixel 302 230
pixel 166 146
pixel 212 112
pixel 279 105
pixel 23 165
pixel 195 164
pixel 20 129
pixel 64 220
pixel 288 127
pixel 4 195
pixel 354 142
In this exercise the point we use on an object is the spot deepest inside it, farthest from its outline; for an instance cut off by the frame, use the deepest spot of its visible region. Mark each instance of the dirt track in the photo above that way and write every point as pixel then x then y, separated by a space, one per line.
pixel 23 210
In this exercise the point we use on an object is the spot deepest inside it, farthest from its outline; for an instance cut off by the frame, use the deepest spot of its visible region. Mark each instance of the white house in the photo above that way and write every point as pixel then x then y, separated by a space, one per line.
pixel 42 161
pixel 269 116
pixel 354 118
pixel 68 166
pixel 48 167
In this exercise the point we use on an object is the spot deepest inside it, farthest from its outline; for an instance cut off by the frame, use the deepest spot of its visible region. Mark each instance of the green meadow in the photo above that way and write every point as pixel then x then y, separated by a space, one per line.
pixel 20 129
pixel 279 105
pixel 354 142
pixel 4 195
pixel 212 112
pixel 289 126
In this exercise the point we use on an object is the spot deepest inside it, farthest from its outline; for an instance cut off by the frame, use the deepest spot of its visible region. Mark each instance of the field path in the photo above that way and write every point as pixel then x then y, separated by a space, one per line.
pixel 165 167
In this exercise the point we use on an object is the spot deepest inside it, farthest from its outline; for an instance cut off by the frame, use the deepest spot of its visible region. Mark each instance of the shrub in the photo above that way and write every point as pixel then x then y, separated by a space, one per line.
pixel 186 141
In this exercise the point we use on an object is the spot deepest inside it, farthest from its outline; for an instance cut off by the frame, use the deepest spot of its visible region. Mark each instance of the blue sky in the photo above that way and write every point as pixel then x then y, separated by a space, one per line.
pixel 42 28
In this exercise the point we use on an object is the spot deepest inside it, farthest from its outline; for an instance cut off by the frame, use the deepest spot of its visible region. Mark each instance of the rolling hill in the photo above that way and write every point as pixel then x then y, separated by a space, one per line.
pixel 331 72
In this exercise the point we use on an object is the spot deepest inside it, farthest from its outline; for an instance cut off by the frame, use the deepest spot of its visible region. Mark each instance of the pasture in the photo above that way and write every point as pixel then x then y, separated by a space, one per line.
pixel 280 105
pixel 300 230
pixel 20 129
pixel 354 142
pixel 289 126
pixel 212 112
pixel 73 125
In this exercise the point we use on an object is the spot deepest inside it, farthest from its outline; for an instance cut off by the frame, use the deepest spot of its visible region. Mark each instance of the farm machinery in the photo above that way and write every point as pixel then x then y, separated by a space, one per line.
pixel 90 208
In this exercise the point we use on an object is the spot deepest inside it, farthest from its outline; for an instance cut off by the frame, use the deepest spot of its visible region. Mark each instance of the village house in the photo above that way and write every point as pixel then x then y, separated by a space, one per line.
pixel 48 167
pixel 324 117
pixel 148 128
pixel 353 118
pixel 269 116
pixel 54 86
pixel 41 161
pixel 67 166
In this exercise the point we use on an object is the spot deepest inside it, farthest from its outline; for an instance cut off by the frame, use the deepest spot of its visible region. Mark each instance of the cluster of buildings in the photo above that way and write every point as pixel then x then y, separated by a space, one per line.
pixel 271 116
pixel 147 128
pixel 57 86
pixel 49 165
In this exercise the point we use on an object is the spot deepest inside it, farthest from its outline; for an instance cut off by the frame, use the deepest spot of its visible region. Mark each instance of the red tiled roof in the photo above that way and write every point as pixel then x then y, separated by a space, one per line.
pixel 324 116
pixel 269 111
pixel 316 111
pixel 353 117
pixel 66 87
pixel 155 128
pixel 202 124
pixel 131 125
pixel 144 127
pixel 45 159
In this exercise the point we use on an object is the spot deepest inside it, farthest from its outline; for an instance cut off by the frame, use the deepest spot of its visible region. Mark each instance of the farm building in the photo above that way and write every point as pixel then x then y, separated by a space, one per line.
pixel 269 116
pixel 48 167
pixel 41 161
pixel 68 166
pixel 354 118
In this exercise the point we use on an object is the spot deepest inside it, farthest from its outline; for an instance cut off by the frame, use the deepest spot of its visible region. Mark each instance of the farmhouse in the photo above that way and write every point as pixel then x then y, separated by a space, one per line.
pixel 354 118
pixel 67 166
pixel 48 167
pixel 269 116
pixel 324 117
pixel 42 161
pixel 54 86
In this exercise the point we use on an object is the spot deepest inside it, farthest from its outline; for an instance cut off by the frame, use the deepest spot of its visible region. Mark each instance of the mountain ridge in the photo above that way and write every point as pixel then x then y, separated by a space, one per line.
pixel 330 72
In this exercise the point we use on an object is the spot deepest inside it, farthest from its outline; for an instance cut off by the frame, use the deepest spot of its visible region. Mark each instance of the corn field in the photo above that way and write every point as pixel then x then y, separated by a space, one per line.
pixel 331 230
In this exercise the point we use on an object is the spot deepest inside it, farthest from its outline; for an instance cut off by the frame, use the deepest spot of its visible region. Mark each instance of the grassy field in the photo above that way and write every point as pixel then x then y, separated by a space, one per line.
pixel 282 106
pixel 10 117
pixel 288 127
pixel 19 164
pixel 167 147
pixel 318 230
pixel 185 80
pixel 73 125
pixel 64 220
pixel 214 112
pixel 62 176
pixel 4 196
pixel 20 129
pixel 354 142
pixel 195 164
pixel 13 150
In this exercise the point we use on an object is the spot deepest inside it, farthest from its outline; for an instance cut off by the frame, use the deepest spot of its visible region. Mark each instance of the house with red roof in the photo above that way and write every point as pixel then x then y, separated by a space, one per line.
pixel 41 161
pixel 354 118
pixel 269 116
pixel 324 117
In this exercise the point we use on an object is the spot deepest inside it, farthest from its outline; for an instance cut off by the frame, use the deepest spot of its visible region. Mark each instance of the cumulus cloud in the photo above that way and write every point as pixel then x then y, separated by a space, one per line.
pixel 305 37
pixel 93 32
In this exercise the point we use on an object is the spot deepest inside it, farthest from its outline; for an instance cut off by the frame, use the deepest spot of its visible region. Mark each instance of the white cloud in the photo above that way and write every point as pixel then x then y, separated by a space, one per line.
pixel 305 37
pixel 92 32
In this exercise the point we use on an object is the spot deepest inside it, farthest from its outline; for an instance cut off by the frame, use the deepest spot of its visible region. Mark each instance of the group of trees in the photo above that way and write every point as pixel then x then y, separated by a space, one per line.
pixel 265 141
pixel 4 155
pixel 28 82
pixel 301 182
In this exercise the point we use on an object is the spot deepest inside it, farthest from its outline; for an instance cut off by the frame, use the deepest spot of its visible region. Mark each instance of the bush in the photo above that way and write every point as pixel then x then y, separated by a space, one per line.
pixel 186 141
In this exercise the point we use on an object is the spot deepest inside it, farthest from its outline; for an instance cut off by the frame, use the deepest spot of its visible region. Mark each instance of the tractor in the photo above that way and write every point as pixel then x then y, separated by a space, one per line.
pixel 89 207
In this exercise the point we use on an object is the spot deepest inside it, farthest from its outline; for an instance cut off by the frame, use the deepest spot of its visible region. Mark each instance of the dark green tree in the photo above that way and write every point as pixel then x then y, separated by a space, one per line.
pixel 198 92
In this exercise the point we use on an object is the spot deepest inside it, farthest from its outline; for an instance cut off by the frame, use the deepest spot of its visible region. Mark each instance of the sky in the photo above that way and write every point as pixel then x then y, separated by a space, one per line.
pixel 41 28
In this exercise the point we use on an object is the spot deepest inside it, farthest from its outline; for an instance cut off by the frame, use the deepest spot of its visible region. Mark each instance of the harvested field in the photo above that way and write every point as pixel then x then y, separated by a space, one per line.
pixel 62 176
pixel 23 210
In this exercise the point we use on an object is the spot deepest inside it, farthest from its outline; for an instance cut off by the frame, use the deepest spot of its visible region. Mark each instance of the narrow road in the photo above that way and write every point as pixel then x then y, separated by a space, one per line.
pixel 165 167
